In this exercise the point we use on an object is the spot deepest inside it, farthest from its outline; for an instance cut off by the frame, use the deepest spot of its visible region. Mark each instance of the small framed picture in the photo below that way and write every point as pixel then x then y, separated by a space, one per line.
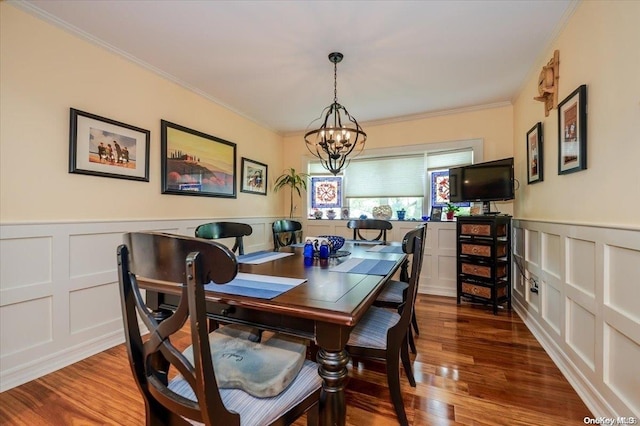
pixel 254 177
pixel 436 214
pixel 100 146
pixel 194 163
pixel 572 132
pixel 534 154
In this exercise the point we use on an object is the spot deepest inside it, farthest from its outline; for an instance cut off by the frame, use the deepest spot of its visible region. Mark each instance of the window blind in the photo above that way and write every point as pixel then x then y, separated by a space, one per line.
pixel 448 159
pixel 401 176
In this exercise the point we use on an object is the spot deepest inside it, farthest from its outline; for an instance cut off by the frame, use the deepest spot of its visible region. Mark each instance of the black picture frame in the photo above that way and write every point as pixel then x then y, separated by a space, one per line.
pixel 253 177
pixel 436 214
pixel 195 163
pixel 572 132
pixel 535 154
pixel 100 146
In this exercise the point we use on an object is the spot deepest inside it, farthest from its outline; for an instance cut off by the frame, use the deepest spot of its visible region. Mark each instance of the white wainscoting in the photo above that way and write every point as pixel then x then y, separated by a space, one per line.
pixel 59 299
pixel 586 313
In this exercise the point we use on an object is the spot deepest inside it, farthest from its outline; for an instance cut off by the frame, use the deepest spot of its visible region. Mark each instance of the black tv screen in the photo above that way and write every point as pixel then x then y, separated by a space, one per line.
pixel 489 181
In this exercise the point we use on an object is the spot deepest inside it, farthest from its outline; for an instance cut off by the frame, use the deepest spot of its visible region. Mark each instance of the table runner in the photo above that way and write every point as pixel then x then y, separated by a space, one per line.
pixel 386 249
pixel 261 257
pixel 365 266
pixel 255 285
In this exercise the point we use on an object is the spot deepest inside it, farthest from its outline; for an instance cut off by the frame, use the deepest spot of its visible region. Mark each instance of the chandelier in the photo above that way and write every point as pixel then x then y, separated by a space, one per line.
pixel 339 135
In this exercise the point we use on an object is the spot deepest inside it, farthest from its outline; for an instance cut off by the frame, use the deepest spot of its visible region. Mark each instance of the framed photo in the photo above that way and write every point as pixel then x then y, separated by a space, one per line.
pixel 326 192
pixel 534 154
pixel 194 163
pixel 436 214
pixel 572 132
pixel 254 177
pixel 103 147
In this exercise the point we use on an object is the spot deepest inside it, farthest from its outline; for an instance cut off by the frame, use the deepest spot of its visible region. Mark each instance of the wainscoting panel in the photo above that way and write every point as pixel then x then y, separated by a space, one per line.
pixel 59 297
pixel 589 317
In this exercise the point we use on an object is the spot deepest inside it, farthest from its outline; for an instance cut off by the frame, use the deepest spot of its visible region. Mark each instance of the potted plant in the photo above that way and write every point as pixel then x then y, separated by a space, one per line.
pixel 450 210
pixel 295 181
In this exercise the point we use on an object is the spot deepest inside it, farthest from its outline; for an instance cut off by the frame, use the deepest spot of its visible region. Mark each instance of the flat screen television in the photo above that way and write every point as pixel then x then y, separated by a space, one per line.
pixel 489 181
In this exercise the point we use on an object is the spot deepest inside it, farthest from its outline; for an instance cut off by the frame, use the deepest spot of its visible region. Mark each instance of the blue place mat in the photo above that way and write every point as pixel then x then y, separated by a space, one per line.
pixel 365 266
pixel 386 249
pixel 254 285
pixel 261 257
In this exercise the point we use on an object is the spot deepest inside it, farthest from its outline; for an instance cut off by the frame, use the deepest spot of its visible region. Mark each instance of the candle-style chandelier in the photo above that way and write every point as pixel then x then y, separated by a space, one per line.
pixel 339 136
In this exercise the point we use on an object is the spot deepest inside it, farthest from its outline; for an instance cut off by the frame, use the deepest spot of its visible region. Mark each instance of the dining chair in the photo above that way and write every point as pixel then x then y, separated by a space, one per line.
pixel 373 224
pixel 203 383
pixel 285 233
pixel 394 294
pixel 218 230
pixel 382 333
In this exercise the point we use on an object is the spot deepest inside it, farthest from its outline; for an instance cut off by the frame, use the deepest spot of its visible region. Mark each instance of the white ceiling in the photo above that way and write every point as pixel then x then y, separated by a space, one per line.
pixel 268 61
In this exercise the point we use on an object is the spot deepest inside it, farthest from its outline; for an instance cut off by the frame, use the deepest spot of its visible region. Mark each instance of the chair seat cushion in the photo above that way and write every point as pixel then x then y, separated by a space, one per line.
pixel 393 292
pixel 260 369
pixel 371 331
pixel 260 411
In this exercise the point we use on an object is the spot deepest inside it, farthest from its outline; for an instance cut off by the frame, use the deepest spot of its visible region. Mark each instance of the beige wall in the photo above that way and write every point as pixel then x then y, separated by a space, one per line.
pixel 45 71
pixel 599 47
pixel 493 125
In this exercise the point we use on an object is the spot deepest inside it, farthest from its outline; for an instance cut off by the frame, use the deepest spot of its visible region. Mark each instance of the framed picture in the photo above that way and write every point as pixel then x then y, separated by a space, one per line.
pixel 534 154
pixel 442 187
pixel 103 147
pixel 572 132
pixel 436 214
pixel 194 163
pixel 326 192
pixel 254 177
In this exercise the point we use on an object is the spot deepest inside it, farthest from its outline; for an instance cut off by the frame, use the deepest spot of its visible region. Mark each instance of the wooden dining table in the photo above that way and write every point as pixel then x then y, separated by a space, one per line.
pixel 324 309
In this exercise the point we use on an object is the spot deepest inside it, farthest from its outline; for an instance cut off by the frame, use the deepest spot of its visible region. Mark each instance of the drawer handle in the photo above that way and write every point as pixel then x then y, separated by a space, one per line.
pixel 475 250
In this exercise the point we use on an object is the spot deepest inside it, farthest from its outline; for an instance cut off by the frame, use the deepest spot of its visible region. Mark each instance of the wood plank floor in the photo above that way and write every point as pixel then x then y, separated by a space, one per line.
pixel 472 368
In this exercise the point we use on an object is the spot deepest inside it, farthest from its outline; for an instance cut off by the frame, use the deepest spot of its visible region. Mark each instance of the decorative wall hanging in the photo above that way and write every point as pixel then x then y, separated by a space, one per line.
pixel 326 192
pixel 99 146
pixel 254 177
pixel 572 132
pixel 548 83
pixel 535 154
pixel 194 163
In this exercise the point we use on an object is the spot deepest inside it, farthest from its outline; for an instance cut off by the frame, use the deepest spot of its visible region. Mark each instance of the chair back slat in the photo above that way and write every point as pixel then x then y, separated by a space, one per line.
pixel 412 243
pixel 219 230
pixel 373 224
pixel 285 233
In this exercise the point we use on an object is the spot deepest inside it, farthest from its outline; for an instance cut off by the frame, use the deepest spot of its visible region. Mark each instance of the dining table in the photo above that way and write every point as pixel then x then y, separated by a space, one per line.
pixel 317 299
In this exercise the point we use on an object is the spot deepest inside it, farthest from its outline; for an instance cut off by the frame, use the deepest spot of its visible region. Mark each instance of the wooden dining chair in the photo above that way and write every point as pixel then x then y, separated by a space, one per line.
pixel 219 230
pixel 373 224
pixel 200 390
pixel 394 294
pixel 285 233
pixel 382 333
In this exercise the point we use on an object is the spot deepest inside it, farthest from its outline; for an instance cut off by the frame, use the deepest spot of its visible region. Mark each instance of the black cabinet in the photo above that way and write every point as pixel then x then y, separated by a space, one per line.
pixel 484 259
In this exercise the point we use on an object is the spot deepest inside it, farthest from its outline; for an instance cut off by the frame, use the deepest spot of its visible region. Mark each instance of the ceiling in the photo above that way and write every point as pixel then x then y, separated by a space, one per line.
pixel 267 60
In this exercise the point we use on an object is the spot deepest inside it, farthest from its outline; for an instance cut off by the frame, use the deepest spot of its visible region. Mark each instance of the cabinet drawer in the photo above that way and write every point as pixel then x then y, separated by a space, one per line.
pixel 478 290
pixel 482 229
pixel 484 270
pixel 484 250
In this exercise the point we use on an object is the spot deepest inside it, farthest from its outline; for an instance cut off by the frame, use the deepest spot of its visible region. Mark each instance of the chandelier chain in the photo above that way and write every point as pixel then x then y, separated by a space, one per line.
pixel 335 82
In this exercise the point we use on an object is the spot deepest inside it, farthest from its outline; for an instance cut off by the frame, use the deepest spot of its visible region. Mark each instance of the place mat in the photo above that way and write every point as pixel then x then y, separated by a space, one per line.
pixel 363 242
pixel 261 257
pixel 255 285
pixel 380 248
pixel 365 266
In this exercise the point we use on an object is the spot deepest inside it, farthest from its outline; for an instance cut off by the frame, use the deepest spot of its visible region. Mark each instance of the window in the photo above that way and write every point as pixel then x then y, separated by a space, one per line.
pixel 401 178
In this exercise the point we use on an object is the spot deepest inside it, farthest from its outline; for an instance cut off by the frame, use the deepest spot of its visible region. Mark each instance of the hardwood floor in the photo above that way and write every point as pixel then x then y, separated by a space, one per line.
pixel 472 368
